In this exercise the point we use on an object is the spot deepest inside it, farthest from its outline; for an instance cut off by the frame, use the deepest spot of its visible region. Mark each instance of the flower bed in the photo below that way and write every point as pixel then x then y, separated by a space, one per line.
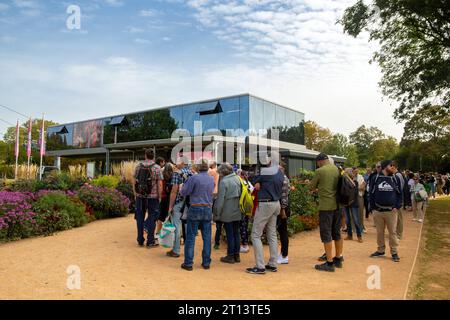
pixel 104 202
pixel 26 214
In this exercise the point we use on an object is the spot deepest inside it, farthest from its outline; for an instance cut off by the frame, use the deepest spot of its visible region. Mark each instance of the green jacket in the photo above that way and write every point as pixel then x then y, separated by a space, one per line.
pixel 326 180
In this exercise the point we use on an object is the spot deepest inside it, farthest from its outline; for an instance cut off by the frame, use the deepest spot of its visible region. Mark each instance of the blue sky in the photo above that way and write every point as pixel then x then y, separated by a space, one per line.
pixel 132 55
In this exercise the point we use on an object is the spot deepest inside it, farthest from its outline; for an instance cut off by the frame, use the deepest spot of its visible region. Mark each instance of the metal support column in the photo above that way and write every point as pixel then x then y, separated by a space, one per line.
pixel 108 162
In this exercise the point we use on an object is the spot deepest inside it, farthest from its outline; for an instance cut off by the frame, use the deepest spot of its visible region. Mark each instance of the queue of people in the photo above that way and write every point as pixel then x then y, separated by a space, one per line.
pixel 195 197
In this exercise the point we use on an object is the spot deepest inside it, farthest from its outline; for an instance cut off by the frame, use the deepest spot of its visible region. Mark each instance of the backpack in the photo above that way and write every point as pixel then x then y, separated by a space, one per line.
pixel 245 200
pixel 346 191
pixel 144 181
pixel 383 191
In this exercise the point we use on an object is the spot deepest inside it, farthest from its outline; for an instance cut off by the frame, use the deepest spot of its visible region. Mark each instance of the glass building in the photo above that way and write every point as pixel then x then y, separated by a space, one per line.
pixel 125 136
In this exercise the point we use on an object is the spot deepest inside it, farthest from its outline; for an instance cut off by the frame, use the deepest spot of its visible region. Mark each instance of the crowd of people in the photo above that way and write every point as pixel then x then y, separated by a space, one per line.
pixel 195 197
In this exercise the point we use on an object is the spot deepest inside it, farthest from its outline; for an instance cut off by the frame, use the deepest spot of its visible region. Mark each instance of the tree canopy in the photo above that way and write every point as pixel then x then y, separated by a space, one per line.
pixel 414 53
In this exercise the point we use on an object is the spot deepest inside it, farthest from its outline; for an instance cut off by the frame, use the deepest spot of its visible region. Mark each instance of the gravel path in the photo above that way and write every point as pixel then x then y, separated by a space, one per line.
pixel 114 267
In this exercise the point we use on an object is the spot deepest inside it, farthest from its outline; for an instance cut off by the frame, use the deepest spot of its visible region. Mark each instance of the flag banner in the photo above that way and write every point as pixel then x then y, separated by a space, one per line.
pixel 43 139
pixel 29 139
pixel 17 148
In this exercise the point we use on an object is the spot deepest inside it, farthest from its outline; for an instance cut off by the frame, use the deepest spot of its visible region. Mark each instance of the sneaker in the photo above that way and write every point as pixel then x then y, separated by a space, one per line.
pixel 395 258
pixel 140 244
pixel 420 220
pixel 271 269
pixel 337 262
pixel 364 230
pixel 325 267
pixel 152 245
pixel 237 258
pixel 216 247
pixel 187 268
pixel 360 240
pixel 377 254
pixel 255 270
pixel 323 257
pixel 282 260
pixel 172 254
pixel 245 249
pixel 349 238
pixel 227 259
pixel 205 267
pixel 414 219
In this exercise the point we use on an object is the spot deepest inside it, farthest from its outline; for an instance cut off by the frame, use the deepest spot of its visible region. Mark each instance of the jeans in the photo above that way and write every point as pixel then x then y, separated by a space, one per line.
pixel 282 226
pixel 142 206
pixel 176 220
pixel 266 217
pixel 233 237
pixel 198 217
pixel 353 213
pixel 218 233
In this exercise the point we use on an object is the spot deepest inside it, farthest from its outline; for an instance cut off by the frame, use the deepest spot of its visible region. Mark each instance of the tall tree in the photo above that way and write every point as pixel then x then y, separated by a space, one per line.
pixel 382 149
pixel 316 137
pixel 340 146
pixel 414 38
pixel 363 138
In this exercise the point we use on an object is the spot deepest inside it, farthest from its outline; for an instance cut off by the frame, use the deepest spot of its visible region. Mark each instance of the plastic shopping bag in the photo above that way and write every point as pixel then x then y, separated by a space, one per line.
pixel 167 235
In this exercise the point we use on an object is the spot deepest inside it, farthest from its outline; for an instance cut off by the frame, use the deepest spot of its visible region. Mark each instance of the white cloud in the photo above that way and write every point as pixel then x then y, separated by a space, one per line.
pixel 28 4
pixel 114 3
pixel 148 13
pixel 141 41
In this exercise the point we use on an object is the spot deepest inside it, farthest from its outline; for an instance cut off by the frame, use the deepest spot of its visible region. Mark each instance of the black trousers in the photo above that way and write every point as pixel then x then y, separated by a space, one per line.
pixel 284 235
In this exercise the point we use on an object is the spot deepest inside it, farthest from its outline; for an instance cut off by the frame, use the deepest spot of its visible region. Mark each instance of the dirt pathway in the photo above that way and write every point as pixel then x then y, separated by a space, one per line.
pixel 113 267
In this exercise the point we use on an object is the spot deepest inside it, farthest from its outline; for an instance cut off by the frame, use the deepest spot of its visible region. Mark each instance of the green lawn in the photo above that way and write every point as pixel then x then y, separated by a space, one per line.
pixel 431 278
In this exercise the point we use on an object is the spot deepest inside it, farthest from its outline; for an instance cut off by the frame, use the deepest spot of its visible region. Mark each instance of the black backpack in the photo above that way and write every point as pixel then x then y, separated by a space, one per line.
pixel 346 191
pixel 144 180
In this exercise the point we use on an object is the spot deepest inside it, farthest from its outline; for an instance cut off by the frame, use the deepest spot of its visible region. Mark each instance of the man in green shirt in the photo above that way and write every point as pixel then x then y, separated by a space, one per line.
pixel 325 183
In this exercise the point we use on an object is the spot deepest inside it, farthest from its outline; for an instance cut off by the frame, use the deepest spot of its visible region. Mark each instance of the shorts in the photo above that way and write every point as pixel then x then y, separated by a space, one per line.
pixel 330 225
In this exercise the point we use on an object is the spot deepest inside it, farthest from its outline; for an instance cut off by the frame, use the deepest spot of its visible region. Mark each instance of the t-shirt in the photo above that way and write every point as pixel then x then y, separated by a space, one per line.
pixel 326 180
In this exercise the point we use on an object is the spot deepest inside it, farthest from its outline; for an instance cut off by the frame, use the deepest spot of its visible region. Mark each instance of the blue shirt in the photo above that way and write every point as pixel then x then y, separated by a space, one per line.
pixel 271 181
pixel 200 188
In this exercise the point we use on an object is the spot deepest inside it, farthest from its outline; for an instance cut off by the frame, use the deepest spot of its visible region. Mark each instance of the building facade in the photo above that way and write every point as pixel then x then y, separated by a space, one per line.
pixel 124 137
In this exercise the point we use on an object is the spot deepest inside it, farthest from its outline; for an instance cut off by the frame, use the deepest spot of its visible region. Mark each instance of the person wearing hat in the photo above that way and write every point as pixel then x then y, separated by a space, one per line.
pixel 386 201
pixel 325 183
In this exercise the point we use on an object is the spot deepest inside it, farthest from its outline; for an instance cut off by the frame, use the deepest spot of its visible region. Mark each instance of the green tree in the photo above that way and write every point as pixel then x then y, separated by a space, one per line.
pixel 382 149
pixel 414 38
pixel 363 138
pixel 426 141
pixel 9 140
pixel 316 137
pixel 340 146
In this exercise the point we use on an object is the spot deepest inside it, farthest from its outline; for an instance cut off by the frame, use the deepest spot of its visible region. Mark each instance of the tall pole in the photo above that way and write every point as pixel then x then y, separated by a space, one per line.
pixel 42 153
pixel 17 150
pixel 29 148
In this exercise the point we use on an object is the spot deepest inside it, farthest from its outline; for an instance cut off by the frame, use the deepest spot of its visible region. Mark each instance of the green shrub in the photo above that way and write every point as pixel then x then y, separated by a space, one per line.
pixel 106 182
pixel 301 201
pixel 104 202
pixel 294 225
pixel 55 211
pixel 126 189
pixel 304 175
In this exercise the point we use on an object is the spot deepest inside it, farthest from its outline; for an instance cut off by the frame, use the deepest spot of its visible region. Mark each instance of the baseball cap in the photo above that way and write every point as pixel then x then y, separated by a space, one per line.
pixel 321 157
